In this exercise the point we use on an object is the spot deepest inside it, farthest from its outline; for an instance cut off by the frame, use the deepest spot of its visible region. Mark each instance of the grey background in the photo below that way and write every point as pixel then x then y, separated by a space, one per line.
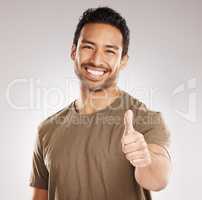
pixel 37 79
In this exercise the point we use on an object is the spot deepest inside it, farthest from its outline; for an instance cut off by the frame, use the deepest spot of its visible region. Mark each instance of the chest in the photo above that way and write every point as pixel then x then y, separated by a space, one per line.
pixel 76 144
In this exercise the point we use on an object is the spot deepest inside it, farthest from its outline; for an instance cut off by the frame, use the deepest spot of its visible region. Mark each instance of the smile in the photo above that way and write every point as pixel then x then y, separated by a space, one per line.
pixel 95 73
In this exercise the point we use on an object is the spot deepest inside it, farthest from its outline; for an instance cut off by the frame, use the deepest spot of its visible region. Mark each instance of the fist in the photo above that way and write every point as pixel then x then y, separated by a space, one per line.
pixel 133 143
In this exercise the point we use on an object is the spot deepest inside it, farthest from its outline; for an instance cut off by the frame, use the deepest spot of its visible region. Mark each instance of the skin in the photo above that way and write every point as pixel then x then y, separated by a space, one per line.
pixel 100 46
pixel 39 194
pixel 152 162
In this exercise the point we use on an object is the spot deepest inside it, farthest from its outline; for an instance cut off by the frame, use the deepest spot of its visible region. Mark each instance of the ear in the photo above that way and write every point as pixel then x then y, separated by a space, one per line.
pixel 73 52
pixel 124 61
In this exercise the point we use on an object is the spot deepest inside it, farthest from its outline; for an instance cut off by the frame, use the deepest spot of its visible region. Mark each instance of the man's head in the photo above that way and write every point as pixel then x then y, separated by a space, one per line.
pixel 100 47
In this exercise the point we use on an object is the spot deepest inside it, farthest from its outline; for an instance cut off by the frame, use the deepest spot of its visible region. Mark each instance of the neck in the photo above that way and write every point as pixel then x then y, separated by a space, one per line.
pixel 92 101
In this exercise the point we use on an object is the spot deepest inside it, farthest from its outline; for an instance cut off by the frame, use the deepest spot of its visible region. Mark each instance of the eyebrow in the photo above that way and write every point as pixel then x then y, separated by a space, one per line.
pixel 108 45
pixel 87 41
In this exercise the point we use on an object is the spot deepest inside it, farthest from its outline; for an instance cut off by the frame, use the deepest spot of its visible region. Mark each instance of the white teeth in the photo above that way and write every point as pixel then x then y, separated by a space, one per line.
pixel 94 72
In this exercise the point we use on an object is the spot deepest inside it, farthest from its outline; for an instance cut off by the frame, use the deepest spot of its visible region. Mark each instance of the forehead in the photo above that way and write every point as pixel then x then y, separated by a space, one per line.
pixel 103 34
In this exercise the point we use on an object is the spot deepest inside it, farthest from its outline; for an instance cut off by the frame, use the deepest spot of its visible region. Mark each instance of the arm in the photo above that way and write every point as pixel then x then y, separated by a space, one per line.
pixel 151 161
pixel 155 175
pixel 39 174
pixel 39 194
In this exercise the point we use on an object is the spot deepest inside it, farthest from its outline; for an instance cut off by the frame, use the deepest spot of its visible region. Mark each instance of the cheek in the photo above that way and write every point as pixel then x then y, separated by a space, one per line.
pixel 84 55
pixel 114 63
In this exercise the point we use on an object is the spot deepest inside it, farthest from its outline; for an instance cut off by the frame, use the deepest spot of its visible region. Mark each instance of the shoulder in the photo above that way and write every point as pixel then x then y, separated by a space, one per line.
pixel 144 117
pixel 150 123
pixel 137 105
pixel 48 125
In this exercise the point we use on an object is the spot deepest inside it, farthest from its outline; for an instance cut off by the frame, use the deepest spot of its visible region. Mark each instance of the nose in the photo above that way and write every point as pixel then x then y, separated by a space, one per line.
pixel 97 58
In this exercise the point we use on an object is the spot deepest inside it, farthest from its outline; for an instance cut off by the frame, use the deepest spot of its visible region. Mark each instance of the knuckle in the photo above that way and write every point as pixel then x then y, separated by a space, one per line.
pixel 145 152
pixel 128 157
pixel 144 144
pixel 140 136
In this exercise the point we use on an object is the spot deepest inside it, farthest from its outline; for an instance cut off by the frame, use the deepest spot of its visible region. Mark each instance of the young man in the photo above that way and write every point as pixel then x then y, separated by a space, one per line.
pixel 106 145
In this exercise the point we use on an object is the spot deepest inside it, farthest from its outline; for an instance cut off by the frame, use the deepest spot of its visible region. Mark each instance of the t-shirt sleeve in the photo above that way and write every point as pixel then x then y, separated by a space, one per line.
pixel 39 173
pixel 152 125
pixel 157 132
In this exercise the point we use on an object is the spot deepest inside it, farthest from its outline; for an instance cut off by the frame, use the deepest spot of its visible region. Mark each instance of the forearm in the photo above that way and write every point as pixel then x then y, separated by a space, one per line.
pixel 154 176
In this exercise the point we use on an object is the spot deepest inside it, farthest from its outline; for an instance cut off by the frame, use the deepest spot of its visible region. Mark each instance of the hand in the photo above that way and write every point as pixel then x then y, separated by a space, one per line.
pixel 133 143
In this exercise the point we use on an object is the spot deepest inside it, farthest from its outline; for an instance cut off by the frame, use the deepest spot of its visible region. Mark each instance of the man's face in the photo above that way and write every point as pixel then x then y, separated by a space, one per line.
pixel 97 56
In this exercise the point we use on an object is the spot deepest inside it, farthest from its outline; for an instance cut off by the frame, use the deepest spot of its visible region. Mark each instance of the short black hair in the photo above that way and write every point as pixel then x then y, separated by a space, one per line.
pixel 104 15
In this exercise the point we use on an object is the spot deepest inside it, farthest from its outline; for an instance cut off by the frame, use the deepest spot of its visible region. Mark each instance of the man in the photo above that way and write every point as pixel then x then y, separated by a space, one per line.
pixel 106 145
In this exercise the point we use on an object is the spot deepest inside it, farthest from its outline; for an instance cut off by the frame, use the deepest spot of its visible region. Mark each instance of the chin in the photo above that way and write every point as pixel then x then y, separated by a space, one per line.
pixel 99 88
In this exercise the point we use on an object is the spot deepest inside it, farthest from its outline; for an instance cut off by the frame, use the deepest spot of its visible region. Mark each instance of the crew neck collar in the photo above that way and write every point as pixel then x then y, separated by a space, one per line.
pixel 110 107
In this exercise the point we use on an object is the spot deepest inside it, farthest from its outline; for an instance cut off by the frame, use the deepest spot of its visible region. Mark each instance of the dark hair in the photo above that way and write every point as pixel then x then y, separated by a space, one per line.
pixel 104 15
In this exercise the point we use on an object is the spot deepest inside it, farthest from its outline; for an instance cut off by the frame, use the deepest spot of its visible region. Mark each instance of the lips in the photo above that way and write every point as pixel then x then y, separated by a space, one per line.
pixel 95 73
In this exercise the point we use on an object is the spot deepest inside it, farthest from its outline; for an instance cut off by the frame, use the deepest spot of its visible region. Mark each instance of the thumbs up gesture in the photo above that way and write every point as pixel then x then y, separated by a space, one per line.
pixel 133 143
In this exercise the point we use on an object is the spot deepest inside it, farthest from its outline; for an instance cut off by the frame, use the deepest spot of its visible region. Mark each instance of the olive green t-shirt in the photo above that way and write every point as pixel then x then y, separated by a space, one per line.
pixel 79 157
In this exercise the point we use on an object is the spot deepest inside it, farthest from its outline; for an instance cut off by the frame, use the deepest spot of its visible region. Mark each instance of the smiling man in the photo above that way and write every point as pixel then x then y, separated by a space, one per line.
pixel 105 145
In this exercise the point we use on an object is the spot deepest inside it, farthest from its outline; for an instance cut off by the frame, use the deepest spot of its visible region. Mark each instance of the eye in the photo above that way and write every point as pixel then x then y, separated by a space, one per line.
pixel 110 52
pixel 86 47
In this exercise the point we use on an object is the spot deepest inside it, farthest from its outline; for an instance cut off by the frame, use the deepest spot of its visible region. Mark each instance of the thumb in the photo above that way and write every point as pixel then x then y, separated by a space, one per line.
pixel 128 121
